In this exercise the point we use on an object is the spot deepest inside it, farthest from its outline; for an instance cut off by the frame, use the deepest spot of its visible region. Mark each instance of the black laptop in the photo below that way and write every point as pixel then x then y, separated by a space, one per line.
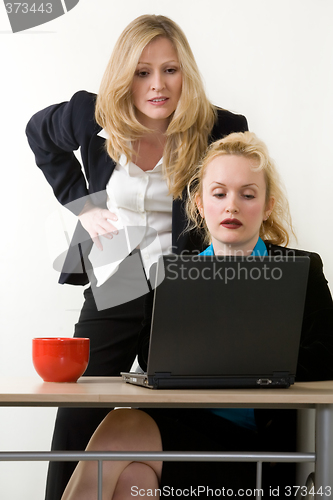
pixel 225 322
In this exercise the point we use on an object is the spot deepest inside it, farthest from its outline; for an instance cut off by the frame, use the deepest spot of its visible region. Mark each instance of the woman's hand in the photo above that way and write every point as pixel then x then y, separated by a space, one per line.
pixel 95 222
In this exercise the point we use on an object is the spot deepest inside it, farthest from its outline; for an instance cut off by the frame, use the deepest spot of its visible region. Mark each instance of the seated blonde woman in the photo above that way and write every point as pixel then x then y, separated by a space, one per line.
pixel 236 196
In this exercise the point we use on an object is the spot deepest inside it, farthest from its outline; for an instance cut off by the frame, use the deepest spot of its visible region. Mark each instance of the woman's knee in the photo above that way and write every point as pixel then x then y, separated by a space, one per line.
pixel 127 429
pixel 139 478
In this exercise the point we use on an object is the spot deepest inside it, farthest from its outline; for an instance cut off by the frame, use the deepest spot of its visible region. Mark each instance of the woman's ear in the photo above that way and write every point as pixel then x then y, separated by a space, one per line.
pixel 269 207
pixel 198 202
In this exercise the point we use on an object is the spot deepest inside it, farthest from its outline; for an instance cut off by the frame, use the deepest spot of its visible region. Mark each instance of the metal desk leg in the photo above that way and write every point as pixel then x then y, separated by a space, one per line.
pixel 324 452
pixel 306 418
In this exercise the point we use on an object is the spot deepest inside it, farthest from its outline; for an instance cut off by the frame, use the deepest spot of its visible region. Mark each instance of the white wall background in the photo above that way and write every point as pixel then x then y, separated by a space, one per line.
pixel 271 60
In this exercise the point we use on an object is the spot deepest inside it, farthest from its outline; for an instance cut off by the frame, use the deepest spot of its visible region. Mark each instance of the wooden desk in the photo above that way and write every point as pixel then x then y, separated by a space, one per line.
pixel 104 392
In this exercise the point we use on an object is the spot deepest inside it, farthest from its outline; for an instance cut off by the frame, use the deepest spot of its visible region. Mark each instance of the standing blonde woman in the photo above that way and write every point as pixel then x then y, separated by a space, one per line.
pixel 140 140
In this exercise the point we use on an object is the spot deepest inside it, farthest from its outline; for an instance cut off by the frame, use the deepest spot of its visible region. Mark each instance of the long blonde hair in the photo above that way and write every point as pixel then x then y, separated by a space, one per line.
pixel 191 122
pixel 278 228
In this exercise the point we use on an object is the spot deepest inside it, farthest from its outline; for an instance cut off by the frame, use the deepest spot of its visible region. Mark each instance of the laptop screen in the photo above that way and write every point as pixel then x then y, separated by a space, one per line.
pixel 228 317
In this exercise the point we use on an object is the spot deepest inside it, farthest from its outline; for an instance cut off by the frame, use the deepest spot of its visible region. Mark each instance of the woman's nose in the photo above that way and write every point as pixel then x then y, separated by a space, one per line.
pixel 232 208
pixel 157 82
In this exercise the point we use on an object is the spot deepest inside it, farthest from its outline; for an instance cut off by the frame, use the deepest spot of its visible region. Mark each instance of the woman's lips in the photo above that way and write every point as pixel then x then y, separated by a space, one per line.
pixel 231 223
pixel 158 101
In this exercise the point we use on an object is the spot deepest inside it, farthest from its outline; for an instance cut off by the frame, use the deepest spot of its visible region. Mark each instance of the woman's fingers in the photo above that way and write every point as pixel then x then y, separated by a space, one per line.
pixel 98 222
pixel 97 242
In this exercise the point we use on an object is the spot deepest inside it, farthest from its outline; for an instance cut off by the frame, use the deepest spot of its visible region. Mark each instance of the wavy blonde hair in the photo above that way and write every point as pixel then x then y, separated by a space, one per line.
pixel 278 228
pixel 191 122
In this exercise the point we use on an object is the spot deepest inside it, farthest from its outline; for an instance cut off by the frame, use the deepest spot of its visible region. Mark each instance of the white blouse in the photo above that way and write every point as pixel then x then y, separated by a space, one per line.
pixel 141 201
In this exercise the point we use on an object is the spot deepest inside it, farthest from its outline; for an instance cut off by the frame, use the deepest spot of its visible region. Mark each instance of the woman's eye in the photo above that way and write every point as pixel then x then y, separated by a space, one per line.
pixel 248 196
pixel 171 71
pixel 142 74
pixel 219 195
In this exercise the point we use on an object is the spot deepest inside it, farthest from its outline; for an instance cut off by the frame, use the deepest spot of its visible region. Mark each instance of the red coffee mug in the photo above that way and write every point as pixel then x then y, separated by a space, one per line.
pixel 59 359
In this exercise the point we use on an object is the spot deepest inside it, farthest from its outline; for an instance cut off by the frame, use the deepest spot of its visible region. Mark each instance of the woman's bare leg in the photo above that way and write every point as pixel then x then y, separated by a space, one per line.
pixel 121 430
pixel 138 479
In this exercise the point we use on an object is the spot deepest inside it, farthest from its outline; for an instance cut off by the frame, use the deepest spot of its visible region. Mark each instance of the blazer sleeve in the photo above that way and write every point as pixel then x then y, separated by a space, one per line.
pixel 226 123
pixel 315 360
pixel 54 133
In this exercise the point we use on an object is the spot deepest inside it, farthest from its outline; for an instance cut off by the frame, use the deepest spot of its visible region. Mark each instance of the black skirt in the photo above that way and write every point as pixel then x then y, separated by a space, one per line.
pixel 202 430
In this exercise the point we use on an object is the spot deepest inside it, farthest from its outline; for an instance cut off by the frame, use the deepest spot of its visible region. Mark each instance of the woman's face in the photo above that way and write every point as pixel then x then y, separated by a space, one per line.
pixel 157 84
pixel 233 203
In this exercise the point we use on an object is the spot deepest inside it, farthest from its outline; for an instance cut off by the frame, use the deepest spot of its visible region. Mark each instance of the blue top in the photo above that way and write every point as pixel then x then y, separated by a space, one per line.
pixel 259 250
pixel 244 417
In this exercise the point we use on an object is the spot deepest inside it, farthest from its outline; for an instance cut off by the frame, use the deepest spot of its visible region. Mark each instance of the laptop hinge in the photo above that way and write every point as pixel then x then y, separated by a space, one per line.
pixel 284 376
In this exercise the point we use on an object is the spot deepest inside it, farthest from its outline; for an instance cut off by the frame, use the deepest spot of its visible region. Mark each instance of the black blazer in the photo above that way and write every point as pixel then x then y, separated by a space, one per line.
pixel 57 131
pixel 315 358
